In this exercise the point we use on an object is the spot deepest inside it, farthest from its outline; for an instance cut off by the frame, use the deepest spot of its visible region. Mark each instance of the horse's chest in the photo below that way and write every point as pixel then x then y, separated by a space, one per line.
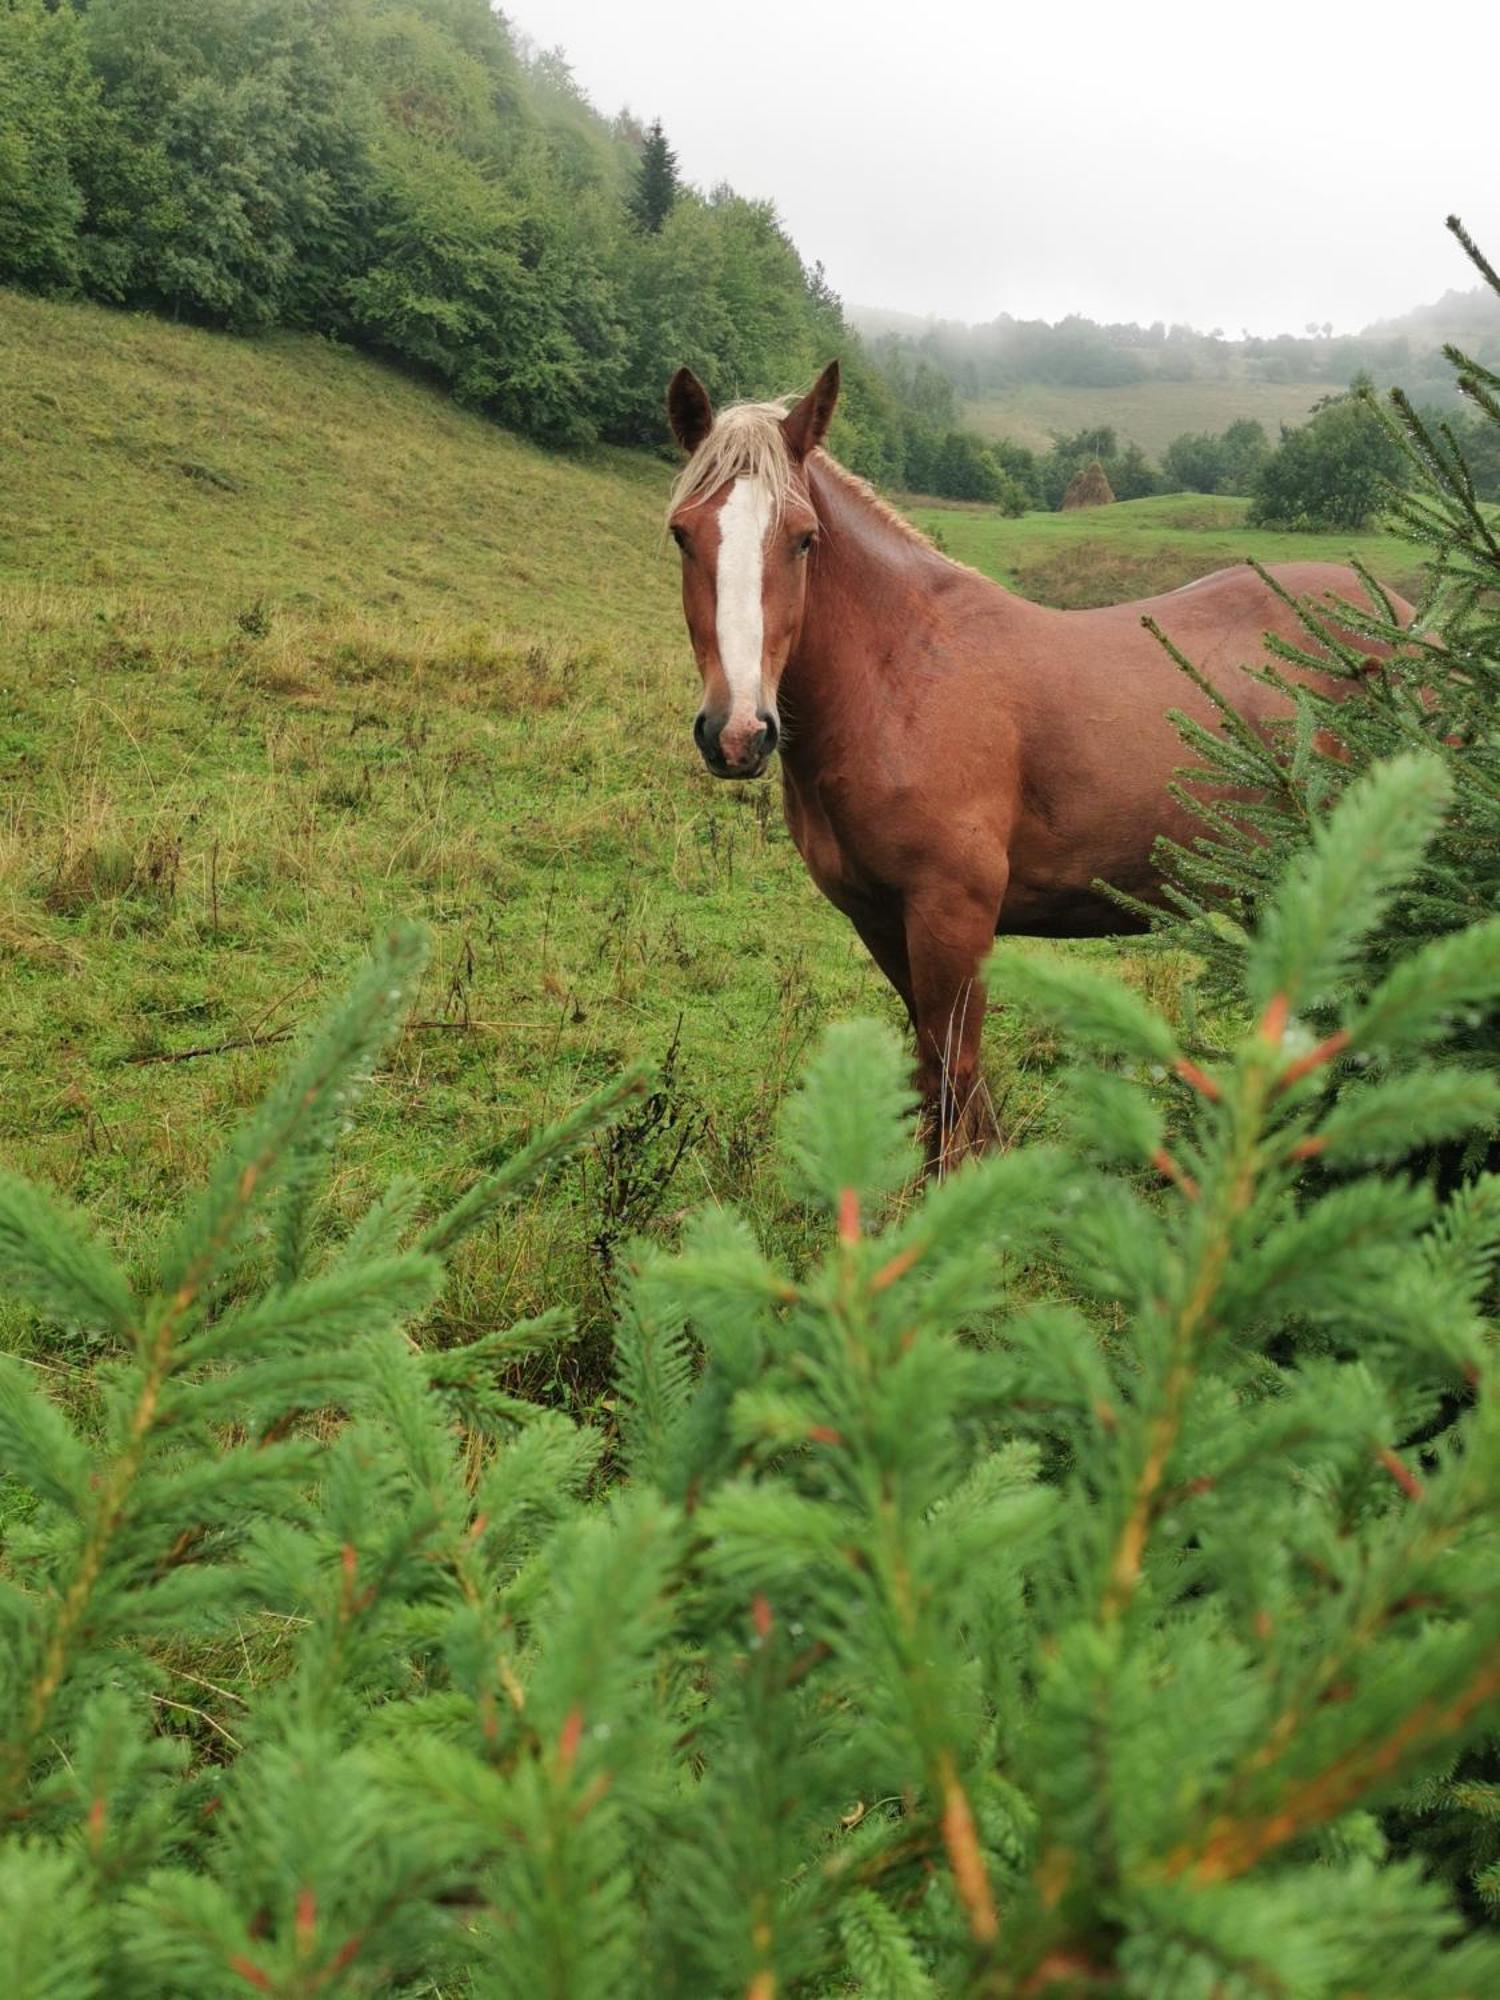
pixel 815 835
pixel 817 843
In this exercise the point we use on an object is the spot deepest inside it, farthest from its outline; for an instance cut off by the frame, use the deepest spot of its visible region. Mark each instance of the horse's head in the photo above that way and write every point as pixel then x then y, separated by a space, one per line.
pixel 742 517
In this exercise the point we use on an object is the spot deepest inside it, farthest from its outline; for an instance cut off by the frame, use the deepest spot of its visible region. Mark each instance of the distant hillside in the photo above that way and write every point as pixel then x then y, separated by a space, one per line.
pixel 1149 413
pixel 1457 315
pixel 1475 306
pixel 873 321
pixel 1025 380
pixel 1471 316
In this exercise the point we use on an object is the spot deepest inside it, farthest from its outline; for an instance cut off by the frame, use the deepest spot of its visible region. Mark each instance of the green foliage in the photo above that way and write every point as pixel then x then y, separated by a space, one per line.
pixel 1335 472
pixel 46 106
pixel 1477 440
pixel 840 1140
pixel 397 173
pixel 1132 476
pixel 227 182
pixel 495 296
pixel 911 1632
pixel 1229 463
pixel 655 192
pixel 1433 689
pixel 960 467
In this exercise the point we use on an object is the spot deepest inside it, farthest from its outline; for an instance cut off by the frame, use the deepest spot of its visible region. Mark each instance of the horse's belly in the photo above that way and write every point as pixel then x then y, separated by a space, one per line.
pixel 1068 912
pixel 1064 846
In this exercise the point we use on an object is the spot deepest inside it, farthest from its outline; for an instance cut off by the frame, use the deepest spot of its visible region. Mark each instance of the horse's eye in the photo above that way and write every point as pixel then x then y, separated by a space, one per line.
pixel 804 545
pixel 678 536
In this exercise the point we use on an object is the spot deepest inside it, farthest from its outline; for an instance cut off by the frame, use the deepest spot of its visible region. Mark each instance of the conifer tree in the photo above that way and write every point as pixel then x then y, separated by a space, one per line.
pixel 656 182
pixel 1034 1595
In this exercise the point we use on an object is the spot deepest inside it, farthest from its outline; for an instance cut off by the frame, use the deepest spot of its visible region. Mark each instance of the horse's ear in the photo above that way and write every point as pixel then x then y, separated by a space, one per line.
pixel 804 427
pixel 689 411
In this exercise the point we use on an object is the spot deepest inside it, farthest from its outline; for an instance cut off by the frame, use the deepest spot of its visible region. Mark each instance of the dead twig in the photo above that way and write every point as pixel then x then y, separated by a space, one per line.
pixel 285 1035
pixel 211 1048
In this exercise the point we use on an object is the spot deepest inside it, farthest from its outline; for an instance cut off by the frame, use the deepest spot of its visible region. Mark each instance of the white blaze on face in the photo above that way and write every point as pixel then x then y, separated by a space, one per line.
pixel 739 613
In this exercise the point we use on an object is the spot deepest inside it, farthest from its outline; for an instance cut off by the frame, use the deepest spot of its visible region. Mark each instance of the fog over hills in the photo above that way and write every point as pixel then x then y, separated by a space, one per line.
pixel 1457 313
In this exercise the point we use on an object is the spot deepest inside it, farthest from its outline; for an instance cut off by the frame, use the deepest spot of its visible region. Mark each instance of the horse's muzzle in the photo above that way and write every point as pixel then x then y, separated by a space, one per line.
pixel 736 753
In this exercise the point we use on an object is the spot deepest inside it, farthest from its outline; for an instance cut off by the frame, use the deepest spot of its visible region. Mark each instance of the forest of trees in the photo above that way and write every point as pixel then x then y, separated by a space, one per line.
pixel 411 177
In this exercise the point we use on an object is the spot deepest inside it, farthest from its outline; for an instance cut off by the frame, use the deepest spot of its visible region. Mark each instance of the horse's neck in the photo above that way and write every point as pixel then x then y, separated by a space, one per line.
pixel 872 580
pixel 873 598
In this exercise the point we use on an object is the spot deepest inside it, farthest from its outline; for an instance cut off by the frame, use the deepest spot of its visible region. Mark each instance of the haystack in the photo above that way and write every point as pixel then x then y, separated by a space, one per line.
pixel 1089 488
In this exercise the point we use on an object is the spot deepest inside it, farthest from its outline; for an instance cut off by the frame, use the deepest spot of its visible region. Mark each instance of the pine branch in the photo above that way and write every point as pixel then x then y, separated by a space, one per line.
pixel 1233 1847
pixel 492 1190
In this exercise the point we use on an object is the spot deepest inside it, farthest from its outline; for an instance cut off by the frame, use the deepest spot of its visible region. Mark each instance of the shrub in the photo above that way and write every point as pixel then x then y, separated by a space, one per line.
pixel 1334 472
pixel 1199 462
pixel 966 469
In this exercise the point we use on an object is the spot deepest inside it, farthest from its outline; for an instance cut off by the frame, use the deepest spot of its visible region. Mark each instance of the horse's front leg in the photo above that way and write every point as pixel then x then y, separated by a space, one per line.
pixel 882 931
pixel 949 930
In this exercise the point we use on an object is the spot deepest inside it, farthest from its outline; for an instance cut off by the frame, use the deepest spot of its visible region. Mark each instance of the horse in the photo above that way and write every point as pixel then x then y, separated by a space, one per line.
pixel 957 763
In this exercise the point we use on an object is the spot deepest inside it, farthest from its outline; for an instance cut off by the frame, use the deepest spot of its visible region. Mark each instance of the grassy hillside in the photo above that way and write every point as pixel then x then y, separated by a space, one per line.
pixel 291 646
pixel 1152 413
pixel 159 464
pixel 1103 555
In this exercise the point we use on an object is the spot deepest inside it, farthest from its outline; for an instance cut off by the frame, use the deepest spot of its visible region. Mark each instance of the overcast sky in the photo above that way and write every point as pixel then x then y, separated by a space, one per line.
pixel 1232 165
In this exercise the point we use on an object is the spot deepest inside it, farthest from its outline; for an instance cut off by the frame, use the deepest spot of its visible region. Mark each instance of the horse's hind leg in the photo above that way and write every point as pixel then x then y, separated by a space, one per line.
pixel 948 932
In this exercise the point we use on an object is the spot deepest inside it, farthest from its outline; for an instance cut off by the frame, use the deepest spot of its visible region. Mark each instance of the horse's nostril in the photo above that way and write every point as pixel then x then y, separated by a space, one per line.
pixel 770 733
pixel 700 731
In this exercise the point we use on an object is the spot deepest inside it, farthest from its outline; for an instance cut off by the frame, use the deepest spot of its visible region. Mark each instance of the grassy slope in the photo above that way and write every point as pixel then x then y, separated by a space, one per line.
pixel 147 463
pixel 288 646
pixel 1153 413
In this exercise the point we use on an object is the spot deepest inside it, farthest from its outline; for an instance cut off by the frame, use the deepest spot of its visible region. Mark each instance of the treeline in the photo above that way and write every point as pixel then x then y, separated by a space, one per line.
pixel 410 177
pixel 1339 470
pixel 1018 480
pixel 1082 353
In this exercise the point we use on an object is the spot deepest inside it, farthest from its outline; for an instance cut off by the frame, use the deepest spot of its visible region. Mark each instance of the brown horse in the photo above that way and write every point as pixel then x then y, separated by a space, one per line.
pixel 956 762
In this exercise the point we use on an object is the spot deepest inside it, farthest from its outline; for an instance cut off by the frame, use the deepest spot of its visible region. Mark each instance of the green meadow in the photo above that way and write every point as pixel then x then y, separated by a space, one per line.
pixel 290 646
pixel 1102 555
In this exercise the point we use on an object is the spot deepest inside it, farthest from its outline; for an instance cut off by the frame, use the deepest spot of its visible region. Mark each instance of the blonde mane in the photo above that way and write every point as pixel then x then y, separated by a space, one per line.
pixel 747 442
pixel 881 507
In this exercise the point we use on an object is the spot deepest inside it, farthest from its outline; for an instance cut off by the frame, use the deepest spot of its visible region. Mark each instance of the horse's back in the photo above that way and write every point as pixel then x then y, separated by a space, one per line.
pixel 1102 749
pixel 1223 608
pixel 1221 623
